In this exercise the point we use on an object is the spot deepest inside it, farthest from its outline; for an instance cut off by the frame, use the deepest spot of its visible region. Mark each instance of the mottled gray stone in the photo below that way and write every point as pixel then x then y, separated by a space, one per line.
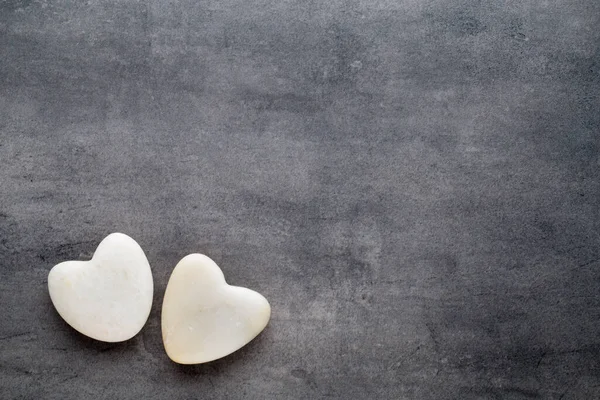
pixel 414 185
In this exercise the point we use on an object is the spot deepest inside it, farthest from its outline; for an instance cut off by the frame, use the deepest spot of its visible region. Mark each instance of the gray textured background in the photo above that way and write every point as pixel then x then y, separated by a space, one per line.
pixel 412 184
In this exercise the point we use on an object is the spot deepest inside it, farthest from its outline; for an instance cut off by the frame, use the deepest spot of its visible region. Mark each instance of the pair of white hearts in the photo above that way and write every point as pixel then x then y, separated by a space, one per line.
pixel 109 298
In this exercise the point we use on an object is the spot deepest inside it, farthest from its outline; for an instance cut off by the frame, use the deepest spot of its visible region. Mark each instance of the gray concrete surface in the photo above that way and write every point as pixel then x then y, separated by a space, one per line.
pixel 414 185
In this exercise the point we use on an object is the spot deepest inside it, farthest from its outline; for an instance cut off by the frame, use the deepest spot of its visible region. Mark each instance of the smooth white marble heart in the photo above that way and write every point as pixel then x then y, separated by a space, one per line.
pixel 109 297
pixel 204 318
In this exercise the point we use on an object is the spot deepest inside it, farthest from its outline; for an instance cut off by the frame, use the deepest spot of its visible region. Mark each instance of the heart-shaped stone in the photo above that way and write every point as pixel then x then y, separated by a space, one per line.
pixel 109 297
pixel 204 318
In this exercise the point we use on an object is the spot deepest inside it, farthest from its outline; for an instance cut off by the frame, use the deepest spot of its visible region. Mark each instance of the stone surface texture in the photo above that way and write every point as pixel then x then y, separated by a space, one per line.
pixel 204 318
pixel 109 297
pixel 412 184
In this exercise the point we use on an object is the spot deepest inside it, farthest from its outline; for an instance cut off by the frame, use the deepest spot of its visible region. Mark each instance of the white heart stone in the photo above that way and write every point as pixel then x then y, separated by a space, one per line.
pixel 109 297
pixel 203 318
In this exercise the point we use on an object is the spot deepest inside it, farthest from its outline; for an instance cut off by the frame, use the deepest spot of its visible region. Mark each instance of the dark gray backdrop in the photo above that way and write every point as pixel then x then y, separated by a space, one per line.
pixel 412 184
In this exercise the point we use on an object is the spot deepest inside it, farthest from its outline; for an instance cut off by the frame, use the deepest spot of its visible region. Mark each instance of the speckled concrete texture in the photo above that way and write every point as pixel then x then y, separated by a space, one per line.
pixel 414 186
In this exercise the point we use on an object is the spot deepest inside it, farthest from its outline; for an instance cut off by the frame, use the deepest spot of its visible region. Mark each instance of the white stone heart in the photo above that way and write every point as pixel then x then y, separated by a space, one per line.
pixel 203 318
pixel 109 297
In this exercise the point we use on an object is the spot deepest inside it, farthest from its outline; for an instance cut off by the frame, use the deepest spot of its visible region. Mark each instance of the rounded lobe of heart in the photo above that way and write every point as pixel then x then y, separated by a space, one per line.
pixel 204 318
pixel 109 297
